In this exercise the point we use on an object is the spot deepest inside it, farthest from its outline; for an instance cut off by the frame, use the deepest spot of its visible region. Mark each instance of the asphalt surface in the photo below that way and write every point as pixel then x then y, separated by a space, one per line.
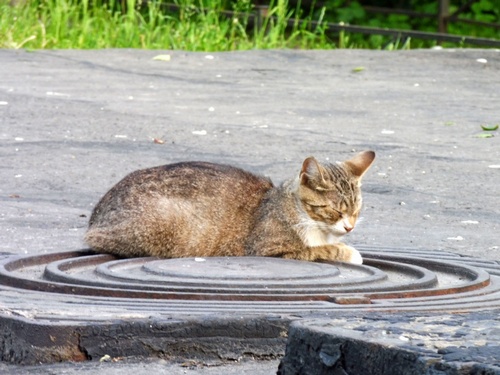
pixel 72 123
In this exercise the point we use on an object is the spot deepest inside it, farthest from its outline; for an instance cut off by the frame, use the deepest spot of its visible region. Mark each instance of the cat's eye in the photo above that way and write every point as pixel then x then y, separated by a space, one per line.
pixel 317 205
pixel 340 213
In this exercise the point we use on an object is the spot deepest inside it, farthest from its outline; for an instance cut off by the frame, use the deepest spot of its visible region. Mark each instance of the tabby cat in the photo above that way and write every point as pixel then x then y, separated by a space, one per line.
pixel 198 209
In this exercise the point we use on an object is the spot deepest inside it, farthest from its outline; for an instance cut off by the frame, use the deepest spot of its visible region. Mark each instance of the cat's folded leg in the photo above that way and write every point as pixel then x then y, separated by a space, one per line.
pixel 337 252
pixel 348 254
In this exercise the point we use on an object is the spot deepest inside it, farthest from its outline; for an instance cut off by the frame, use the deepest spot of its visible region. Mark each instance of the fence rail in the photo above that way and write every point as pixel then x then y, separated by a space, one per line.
pixel 443 18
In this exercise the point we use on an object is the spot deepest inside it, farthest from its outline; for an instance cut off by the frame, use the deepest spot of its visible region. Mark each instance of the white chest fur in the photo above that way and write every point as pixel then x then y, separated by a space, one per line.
pixel 314 233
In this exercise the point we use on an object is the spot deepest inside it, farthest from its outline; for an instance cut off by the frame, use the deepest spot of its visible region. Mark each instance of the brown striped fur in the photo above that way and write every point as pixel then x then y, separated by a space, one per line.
pixel 197 209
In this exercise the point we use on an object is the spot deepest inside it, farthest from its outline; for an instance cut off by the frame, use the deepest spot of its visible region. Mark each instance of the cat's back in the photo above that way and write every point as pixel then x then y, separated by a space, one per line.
pixel 203 184
pixel 178 210
pixel 188 178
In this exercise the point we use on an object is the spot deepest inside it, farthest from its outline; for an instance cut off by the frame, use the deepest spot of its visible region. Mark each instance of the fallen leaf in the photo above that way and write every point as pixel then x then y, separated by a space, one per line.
pixel 484 135
pixel 489 128
pixel 358 69
pixel 162 58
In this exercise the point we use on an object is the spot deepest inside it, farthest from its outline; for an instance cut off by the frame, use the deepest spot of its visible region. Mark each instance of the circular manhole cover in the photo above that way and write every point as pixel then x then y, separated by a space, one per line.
pixel 389 280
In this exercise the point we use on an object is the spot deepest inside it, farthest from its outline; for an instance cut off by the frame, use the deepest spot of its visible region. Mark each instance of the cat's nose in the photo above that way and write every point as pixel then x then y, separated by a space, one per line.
pixel 348 228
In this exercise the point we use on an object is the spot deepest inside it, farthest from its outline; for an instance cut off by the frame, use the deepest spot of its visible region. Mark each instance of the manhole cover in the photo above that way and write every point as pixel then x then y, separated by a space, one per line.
pixel 81 305
pixel 388 280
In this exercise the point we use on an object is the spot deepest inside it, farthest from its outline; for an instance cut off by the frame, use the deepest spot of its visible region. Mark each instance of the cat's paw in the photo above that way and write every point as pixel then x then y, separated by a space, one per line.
pixel 356 257
pixel 339 252
pixel 349 254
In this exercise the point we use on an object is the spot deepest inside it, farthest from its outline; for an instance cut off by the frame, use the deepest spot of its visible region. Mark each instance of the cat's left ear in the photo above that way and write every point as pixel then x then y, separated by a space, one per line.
pixel 359 164
pixel 312 173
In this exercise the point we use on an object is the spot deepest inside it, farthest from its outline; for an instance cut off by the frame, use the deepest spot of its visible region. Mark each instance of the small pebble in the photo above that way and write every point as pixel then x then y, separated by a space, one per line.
pixel 52 93
pixel 105 358
pixel 199 132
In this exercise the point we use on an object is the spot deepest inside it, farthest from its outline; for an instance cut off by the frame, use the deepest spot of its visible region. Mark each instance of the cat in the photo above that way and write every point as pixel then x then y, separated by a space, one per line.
pixel 200 209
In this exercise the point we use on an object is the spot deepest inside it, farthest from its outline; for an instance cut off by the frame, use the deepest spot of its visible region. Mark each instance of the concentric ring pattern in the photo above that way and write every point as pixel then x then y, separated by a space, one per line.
pixel 60 284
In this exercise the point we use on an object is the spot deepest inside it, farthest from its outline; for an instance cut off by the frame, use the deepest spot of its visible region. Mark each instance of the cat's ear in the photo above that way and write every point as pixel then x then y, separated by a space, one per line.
pixel 359 164
pixel 311 173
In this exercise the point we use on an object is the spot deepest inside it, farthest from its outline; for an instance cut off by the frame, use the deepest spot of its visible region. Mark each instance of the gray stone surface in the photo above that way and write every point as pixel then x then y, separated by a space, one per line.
pixel 76 122
pixel 142 366
pixel 401 345
pixel 72 123
pixel 217 339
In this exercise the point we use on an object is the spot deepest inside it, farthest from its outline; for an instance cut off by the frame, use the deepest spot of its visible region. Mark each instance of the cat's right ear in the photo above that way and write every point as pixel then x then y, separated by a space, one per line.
pixel 360 163
pixel 311 173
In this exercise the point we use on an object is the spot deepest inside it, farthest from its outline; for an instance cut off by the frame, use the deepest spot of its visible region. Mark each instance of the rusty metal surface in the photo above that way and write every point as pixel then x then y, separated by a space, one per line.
pixel 76 306
pixel 390 280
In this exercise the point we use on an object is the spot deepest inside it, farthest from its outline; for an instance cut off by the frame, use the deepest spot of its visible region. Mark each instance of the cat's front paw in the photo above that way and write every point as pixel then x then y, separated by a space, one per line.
pixel 355 257
pixel 339 252
pixel 349 254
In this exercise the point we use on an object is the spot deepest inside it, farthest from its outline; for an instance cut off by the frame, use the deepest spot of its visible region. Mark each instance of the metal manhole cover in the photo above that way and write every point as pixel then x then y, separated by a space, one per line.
pixel 80 305
pixel 389 280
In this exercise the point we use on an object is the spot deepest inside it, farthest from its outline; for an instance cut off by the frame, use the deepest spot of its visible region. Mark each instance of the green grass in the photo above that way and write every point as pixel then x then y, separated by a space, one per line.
pixel 192 25
pixel 197 25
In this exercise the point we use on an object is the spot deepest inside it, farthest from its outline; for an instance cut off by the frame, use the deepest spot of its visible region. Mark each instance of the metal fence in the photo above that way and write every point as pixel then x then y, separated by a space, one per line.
pixel 443 19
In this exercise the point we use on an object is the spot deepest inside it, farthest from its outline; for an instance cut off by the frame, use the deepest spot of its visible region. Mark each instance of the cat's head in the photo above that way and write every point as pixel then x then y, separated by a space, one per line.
pixel 330 193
